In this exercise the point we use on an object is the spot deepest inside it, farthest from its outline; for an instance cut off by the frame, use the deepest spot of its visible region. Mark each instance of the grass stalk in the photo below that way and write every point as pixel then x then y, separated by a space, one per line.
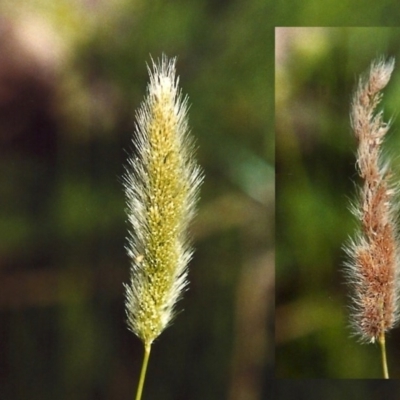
pixel 382 345
pixel 373 266
pixel 161 188
pixel 143 371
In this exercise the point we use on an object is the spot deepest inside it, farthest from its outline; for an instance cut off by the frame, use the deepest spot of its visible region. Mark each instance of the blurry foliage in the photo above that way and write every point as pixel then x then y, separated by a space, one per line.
pixel 316 72
pixel 331 13
pixel 335 389
pixel 71 76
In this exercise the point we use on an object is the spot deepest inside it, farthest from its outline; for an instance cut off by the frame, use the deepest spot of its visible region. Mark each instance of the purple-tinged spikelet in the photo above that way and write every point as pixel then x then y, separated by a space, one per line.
pixel 373 263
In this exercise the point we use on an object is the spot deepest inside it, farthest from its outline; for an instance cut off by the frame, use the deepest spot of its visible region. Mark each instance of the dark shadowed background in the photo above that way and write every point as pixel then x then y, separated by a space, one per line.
pixel 71 75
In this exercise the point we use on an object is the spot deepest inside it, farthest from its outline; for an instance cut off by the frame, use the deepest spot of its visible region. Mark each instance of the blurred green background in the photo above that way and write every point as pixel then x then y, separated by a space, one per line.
pixel 330 389
pixel 71 75
pixel 316 72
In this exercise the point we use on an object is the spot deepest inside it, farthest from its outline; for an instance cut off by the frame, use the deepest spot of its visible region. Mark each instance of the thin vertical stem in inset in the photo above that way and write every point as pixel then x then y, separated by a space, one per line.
pixel 382 344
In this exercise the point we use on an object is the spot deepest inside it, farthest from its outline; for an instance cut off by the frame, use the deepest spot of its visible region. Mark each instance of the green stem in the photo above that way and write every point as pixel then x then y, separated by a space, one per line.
pixel 147 348
pixel 383 352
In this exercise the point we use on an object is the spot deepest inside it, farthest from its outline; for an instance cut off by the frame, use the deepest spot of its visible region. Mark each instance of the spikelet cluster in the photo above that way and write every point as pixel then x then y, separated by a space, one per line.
pixel 374 252
pixel 161 187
